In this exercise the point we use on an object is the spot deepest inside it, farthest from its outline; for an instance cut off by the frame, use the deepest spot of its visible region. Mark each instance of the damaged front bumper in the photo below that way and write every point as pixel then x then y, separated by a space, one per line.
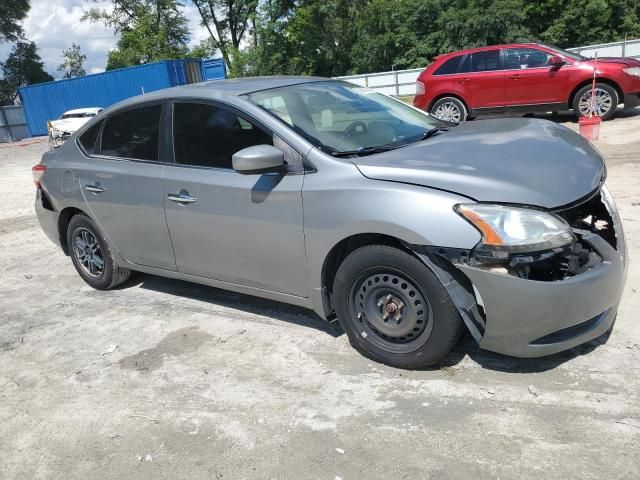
pixel 532 317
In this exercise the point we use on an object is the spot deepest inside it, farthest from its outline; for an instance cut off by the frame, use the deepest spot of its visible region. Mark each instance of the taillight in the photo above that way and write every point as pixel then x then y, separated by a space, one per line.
pixel 420 88
pixel 38 172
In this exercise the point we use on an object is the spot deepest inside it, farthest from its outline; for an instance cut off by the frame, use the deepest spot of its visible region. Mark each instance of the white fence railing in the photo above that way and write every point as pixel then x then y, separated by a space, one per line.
pixel 396 82
pixel 403 82
pixel 627 48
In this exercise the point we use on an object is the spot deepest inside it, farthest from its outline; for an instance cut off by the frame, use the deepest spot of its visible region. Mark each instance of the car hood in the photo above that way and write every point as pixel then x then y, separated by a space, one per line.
pixel 626 61
pixel 516 160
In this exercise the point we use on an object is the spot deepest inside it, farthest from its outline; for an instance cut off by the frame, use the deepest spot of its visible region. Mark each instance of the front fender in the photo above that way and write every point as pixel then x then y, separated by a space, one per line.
pixel 342 203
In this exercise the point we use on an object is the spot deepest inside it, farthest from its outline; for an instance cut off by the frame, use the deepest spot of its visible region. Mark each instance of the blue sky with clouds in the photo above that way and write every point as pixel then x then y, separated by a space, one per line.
pixel 55 24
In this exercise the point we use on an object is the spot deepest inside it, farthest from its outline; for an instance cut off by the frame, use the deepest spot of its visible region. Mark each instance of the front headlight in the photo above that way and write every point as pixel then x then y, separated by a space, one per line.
pixel 506 230
pixel 635 71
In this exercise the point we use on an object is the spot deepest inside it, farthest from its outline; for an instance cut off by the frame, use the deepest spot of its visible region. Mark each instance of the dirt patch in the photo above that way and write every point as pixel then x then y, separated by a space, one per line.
pixel 175 344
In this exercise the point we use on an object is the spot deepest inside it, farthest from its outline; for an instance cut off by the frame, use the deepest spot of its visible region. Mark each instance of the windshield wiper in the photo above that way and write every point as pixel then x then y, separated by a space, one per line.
pixel 432 131
pixel 364 151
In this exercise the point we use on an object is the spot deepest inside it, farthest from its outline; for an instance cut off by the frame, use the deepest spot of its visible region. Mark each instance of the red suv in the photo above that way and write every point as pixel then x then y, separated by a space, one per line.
pixel 524 78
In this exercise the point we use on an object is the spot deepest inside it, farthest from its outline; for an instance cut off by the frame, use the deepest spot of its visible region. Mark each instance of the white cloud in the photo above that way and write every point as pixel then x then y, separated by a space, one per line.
pixel 55 24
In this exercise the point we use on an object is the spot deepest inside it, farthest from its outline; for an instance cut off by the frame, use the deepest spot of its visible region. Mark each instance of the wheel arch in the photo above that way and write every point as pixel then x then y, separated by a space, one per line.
pixel 63 223
pixel 341 250
pixel 606 80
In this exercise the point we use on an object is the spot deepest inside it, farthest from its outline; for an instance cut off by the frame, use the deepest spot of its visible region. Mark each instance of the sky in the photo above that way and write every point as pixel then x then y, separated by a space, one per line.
pixel 55 24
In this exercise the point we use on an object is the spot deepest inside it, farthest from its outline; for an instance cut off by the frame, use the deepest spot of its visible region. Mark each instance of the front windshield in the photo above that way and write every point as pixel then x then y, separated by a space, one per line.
pixel 571 55
pixel 340 117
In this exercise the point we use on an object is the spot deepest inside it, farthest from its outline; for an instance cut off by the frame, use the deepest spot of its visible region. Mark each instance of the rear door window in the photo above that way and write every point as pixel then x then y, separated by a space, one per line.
pixel 208 135
pixel 88 139
pixel 486 61
pixel 133 134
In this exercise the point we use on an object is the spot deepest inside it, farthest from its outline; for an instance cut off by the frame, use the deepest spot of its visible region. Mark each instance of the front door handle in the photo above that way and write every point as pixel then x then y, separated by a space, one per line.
pixel 464 80
pixel 94 188
pixel 181 197
pixel 515 77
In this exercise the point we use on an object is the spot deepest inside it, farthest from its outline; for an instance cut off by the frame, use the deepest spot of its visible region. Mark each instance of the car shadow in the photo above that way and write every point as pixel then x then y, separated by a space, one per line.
pixel 563 116
pixel 466 346
pixel 569 117
pixel 246 303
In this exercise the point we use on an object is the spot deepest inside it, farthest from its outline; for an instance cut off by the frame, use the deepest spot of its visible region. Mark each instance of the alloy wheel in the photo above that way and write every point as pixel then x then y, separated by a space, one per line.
pixel 602 103
pixel 88 253
pixel 448 111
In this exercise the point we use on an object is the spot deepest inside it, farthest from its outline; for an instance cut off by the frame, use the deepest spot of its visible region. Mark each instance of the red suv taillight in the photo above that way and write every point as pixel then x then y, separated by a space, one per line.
pixel 38 172
pixel 420 88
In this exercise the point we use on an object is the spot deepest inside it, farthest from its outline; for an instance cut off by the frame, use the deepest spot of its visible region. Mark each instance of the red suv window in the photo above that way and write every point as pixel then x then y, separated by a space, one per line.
pixel 481 61
pixel 450 66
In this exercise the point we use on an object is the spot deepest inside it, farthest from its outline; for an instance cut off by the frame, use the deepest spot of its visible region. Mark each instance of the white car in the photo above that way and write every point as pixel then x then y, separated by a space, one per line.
pixel 68 123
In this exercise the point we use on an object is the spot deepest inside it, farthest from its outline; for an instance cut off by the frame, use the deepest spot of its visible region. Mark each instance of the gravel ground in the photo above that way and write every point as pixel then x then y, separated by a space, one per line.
pixel 166 379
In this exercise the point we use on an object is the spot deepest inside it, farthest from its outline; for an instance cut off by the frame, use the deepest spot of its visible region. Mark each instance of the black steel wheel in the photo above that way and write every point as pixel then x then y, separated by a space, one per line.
pixel 91 255
pixel 393 308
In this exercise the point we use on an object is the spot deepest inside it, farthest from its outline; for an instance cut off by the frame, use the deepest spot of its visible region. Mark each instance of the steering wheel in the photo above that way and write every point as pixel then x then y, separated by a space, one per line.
pixel 352 128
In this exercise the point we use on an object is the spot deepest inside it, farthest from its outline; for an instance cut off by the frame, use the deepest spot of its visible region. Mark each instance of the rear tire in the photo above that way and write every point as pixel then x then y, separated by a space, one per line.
pixel 607 100
pixel 421 324
pixel 449 109
pixel 91 255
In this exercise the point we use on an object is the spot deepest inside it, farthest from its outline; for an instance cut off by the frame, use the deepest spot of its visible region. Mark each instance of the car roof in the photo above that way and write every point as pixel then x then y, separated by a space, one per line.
pixel 221 88
pixel 489 47
pixel 83 110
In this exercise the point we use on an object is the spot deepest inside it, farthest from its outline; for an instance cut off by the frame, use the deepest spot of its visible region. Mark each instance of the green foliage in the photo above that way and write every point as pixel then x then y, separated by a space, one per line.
pixel 569 23
pixel 337 37
pixel 229 23
pixel 12 12
pixel 150 30
pixel 73 62
pixel 22 67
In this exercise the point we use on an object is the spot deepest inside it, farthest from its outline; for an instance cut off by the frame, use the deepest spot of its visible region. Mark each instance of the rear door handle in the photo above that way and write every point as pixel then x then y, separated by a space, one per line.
pixel 514 77
pixel 94 188
pixel 181 197
pixel 464 80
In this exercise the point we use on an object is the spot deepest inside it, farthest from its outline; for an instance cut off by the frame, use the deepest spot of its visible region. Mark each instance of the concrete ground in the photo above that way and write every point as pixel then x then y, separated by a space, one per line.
pixel 166 379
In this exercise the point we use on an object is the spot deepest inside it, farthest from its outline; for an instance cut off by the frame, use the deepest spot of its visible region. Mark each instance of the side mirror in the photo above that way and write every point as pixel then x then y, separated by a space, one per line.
pixel 258 159
pixel 556 61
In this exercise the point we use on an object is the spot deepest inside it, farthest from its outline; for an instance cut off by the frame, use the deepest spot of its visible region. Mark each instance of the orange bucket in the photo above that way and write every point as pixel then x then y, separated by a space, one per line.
pixel 589 127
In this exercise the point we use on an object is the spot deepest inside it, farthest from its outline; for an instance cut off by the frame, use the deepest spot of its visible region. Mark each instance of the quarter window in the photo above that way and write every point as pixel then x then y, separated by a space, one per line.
pixel 88 138
pixel 450 66
pixel 519 58
pixel 133 134
pixel 482 61
pixel 208 136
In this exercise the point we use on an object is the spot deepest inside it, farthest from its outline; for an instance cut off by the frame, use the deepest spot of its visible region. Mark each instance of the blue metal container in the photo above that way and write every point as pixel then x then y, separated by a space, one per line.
pixel 214 69
pixel 47 101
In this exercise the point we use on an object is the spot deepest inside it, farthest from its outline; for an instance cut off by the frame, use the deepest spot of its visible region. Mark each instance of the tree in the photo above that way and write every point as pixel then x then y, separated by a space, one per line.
pixel 150 30
pixel 73 62
pixel 570 23
pixel 229 23
pixel 22 67
pixel 12 12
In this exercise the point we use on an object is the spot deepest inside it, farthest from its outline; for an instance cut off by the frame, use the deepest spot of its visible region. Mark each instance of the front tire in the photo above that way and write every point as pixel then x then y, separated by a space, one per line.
pixel 394 309
pixel 91 255
pixel 605 104
pixel 449 109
